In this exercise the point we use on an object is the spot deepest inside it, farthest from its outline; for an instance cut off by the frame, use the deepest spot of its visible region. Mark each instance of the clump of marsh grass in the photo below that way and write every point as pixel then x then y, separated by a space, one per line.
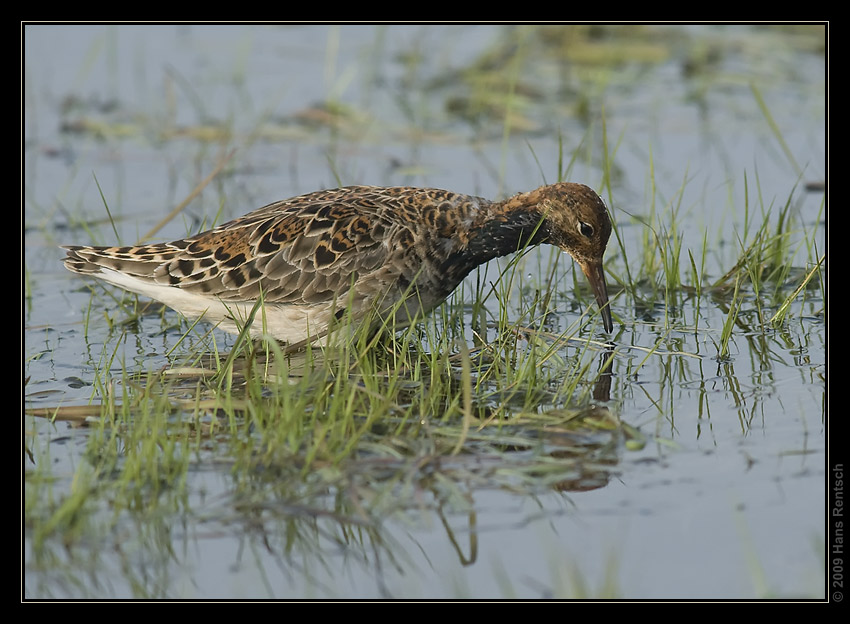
pixel 767 258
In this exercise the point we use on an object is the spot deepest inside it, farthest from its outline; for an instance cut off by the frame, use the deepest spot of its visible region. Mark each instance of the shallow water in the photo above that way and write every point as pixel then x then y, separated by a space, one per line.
pixel 727 500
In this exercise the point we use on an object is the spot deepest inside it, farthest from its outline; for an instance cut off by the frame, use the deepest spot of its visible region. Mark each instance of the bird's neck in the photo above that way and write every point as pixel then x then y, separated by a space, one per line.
pixel 506 230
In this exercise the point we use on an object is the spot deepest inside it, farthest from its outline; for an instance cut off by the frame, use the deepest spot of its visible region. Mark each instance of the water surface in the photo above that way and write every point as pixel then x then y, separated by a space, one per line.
pixel 728 498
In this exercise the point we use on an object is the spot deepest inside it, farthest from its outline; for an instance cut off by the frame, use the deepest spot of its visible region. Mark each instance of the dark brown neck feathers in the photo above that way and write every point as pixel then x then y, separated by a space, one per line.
pixel 514 230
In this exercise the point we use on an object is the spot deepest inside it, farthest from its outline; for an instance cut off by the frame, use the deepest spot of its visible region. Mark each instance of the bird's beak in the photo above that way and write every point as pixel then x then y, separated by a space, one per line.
pixel 596 276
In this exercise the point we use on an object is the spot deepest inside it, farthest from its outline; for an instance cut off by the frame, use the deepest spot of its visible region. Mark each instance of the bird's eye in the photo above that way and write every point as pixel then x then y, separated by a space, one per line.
pixel 586 229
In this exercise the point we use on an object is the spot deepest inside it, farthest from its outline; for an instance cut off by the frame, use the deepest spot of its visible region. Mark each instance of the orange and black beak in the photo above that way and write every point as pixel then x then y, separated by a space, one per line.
pixel 596 276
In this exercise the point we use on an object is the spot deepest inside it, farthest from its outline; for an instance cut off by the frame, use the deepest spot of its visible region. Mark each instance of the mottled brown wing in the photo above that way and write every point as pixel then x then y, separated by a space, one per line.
pixel 308 249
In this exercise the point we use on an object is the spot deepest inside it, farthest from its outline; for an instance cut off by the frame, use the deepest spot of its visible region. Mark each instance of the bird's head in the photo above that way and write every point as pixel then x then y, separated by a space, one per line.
pixel 576 220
